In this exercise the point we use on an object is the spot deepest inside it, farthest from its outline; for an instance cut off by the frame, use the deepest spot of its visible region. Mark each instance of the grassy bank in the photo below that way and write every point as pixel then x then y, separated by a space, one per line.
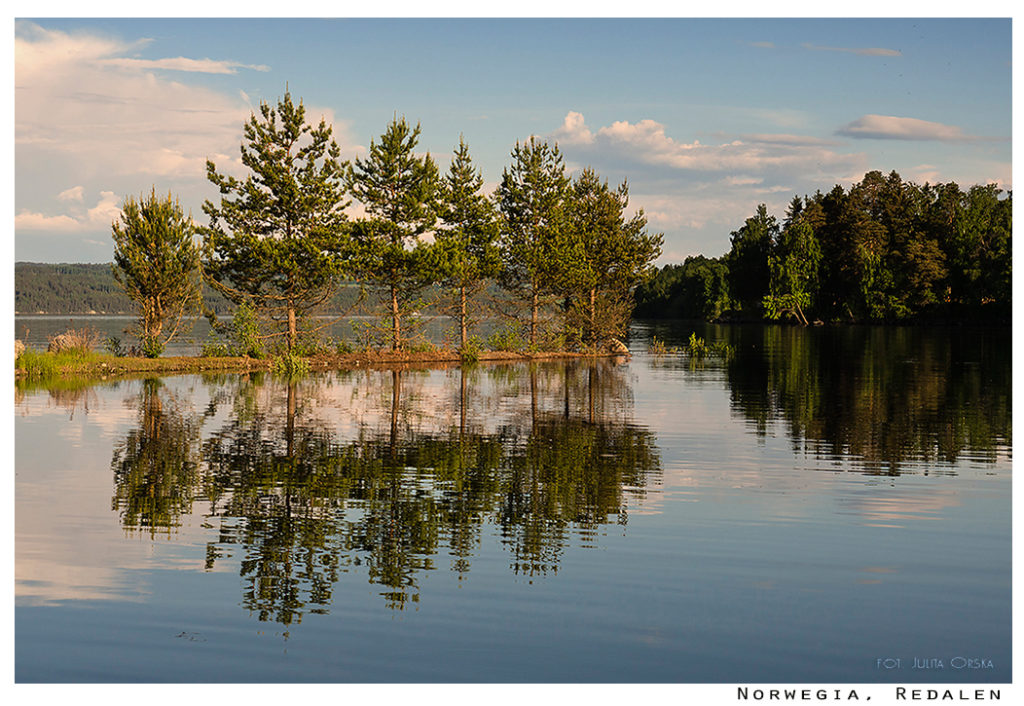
pixel 38 365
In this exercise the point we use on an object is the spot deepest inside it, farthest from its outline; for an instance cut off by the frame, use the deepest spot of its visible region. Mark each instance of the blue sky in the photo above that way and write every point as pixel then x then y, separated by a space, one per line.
pixel 705 118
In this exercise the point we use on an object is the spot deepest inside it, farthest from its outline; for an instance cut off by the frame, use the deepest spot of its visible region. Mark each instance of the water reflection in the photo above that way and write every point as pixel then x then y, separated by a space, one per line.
pixel 888 398
pixel 377 474
pixel 156 466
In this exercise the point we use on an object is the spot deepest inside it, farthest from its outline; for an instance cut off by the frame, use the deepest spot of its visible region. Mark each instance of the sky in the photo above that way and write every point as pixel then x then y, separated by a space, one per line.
pixel 705 118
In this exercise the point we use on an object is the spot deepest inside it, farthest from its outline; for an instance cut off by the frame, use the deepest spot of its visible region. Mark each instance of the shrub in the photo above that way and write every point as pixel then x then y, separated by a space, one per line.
pixel 507 339
pixel 82 340
pixel 290 365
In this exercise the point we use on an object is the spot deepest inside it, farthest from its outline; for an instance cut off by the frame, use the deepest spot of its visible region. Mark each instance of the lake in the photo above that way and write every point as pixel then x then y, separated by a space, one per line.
pixel 828 505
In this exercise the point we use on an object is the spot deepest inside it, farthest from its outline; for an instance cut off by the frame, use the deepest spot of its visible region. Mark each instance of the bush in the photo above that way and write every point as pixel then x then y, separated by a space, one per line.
pixel 82 340
pixel 245 332
pixel 505 340
pixel 243 337
pixel 152 347
pixel 290 365
pixel 470 353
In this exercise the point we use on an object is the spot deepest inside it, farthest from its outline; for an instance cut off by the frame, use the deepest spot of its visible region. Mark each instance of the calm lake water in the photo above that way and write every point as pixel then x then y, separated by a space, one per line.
pixel 829 505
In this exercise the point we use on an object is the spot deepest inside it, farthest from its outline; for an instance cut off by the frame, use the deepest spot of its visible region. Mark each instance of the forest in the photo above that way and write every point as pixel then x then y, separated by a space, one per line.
pixel 886 250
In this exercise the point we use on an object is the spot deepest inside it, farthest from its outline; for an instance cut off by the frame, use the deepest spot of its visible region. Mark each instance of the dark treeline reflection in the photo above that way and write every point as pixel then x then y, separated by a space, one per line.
pixel 387 475
pixel 886 397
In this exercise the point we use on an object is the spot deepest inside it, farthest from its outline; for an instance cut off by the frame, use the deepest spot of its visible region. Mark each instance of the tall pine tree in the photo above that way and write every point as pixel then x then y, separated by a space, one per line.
pixel 608 257
pixel 399 191
pixel 279 239
pixel 467 240
pixel 531 198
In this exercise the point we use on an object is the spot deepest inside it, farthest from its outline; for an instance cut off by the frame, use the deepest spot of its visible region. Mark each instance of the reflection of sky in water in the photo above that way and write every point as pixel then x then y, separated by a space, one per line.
pixel 740 538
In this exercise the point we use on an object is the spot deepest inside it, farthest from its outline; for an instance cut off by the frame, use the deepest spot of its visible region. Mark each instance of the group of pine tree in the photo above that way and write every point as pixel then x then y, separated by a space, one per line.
pixel 571 265
pixel 884 250
pixel 280 240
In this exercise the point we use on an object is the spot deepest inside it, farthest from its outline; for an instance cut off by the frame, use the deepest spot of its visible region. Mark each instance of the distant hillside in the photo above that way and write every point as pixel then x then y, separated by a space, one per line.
pixel 44 288
pixel 75 289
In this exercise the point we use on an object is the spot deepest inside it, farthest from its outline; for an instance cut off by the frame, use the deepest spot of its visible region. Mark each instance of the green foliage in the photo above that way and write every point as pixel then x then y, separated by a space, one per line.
pixel 152 347
pixel 466 242
pixel 697 347
pixel 793 267
pixel 471 349
pixel 157 263
pixel 290 365
pixel 887 250
pixel 399 192
pixel 658 347
pixel 531 199
pixel 697 289
pixel 606 257
pixel 243 336
pixel 36 364
pixel 749 273
pixel 279 239
pixel 509 338
pixel 245 331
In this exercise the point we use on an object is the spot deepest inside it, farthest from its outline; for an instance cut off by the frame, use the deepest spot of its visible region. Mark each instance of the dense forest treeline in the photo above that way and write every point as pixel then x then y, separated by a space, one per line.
pixel 885 250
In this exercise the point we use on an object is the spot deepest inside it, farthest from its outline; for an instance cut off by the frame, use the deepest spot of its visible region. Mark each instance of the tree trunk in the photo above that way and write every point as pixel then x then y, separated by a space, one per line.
pixel 462 314
pixel 292 328
pixel 396 323
pixel 800 314
pixel 534 305
pixel 593 315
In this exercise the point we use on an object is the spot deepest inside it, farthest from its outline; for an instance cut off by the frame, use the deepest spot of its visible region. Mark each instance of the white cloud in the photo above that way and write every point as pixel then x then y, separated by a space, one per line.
pixel 89 112
pixel 102 215
pixel 888 127
pixel 863 51
pixel 573 130
pixel 76 102
pixel 181 63
pixel 72 194
pixel 647 142
pixel 741 180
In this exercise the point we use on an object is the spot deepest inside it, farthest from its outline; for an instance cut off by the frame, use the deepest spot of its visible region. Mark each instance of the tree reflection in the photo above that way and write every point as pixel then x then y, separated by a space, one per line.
pixel 884 396
pixel 302 504
pixel 156 466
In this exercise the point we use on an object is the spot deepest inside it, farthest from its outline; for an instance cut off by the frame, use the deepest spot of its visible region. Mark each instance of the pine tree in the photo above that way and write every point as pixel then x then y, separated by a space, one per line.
pixel 399 191
pixel 608 256
pixel 466 242
pixel 279 239
pixel 157 263
pixel 531 198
